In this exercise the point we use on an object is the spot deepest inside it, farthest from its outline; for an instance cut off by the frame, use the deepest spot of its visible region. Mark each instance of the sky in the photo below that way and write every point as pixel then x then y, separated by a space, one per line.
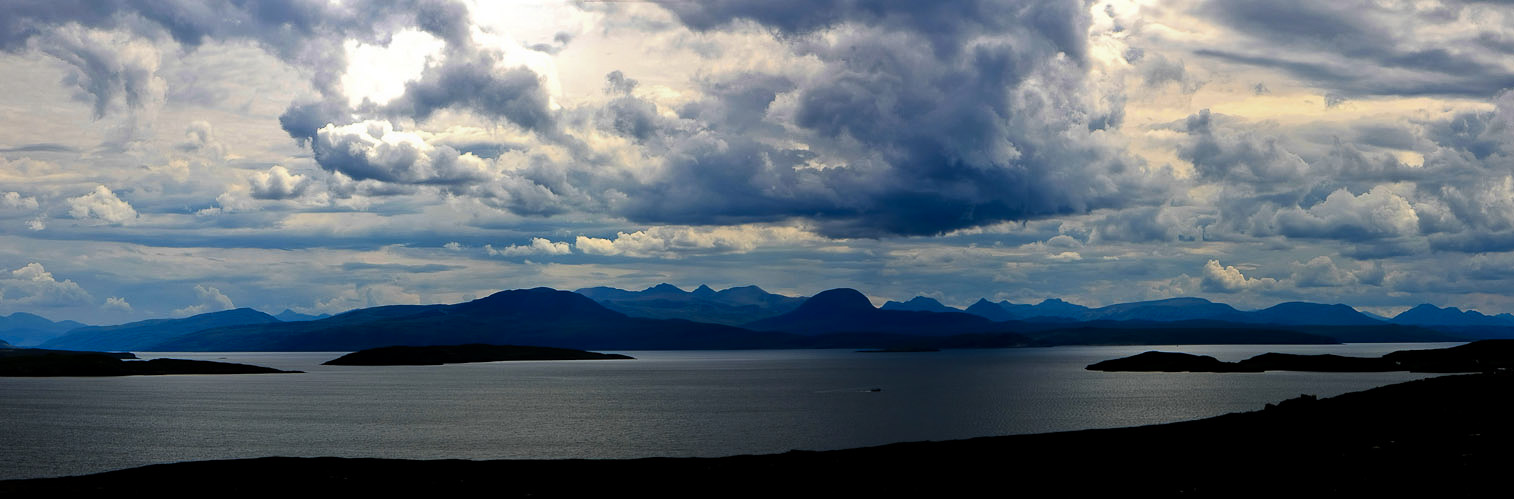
pixel 161 158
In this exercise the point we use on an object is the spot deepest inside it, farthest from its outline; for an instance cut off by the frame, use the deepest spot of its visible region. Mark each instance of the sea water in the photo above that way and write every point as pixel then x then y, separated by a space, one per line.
pixel 664 403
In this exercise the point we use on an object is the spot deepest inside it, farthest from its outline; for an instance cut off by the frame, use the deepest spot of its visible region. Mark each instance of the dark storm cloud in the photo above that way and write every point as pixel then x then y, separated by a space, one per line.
pixel 1221 153
pixel 476 85
pixel 935 116
pixel 945 25
pixel 373 150
pixel 1375 54
pixel 305 33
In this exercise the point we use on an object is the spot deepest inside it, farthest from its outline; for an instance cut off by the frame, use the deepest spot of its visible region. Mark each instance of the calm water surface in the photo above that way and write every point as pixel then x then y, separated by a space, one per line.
pixel 662 404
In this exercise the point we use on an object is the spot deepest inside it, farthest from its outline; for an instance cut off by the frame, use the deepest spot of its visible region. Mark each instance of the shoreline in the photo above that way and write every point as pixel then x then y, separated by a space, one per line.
pixel 1442 434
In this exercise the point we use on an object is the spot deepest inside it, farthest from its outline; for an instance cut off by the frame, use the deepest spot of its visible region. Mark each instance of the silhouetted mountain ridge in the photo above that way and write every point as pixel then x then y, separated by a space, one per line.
pixel 731 306
pixel 846 310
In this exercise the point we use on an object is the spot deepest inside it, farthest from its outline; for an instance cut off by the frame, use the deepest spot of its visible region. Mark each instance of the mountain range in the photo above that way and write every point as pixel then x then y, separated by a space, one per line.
pixel 667 317
pixel 730 306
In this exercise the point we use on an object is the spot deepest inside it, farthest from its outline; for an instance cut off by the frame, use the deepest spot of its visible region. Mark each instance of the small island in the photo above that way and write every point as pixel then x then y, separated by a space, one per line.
pixel 48 363
pixel 1478 356
pixel 458 354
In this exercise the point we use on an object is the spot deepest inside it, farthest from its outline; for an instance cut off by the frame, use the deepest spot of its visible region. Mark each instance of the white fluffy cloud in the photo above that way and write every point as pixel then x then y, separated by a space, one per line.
pixel 116 303
pixel 678 241
pixel 1374 214
pixel 32 285
pixel 15 201
pixel 101 206
pixel 278 183
pixel 210 299
pixel 538 246
pixel 1228 279
pixel 372 295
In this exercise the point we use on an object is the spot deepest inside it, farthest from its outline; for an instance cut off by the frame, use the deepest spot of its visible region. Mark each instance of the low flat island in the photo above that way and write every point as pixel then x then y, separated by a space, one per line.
pixel 458 354
pixel 23 362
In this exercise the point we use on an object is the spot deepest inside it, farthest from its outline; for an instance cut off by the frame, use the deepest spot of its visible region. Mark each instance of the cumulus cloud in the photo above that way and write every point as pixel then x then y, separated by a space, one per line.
pixel 199 137
pixel 15 201
pixel 375 150
pixel 1322 271
pixel 116 303
pixel 209 299
pixel 538 246
pixel 676 242
pixel 1234 154
pixel 372 295
pixel 1228 279
pixel 101 206
pixel 33 286
pixel 1374 214
pixel 278 183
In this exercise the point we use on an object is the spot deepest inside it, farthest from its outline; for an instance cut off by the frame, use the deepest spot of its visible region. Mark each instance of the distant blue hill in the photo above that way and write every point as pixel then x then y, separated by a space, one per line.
pixel 1431 315
pixel 23 329
pixel 291 316
pixel 142 334
pixel 1304 313
pixel 1177 309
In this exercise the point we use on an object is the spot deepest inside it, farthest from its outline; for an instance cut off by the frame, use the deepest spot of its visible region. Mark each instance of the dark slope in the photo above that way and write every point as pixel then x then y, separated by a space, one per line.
pixel 990 310
pixel 540 317
pixel 849 311
pixel 1172 309
pixel 143 335
pixel 1439 437
pixel 732 306
pixel 1311 314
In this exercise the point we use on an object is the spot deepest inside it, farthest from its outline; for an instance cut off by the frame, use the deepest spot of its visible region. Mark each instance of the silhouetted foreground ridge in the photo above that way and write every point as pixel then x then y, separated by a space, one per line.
pixel 1478 356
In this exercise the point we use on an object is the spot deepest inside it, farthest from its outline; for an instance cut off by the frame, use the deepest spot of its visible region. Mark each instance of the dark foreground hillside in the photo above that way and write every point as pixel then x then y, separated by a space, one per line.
pixel 1447 436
